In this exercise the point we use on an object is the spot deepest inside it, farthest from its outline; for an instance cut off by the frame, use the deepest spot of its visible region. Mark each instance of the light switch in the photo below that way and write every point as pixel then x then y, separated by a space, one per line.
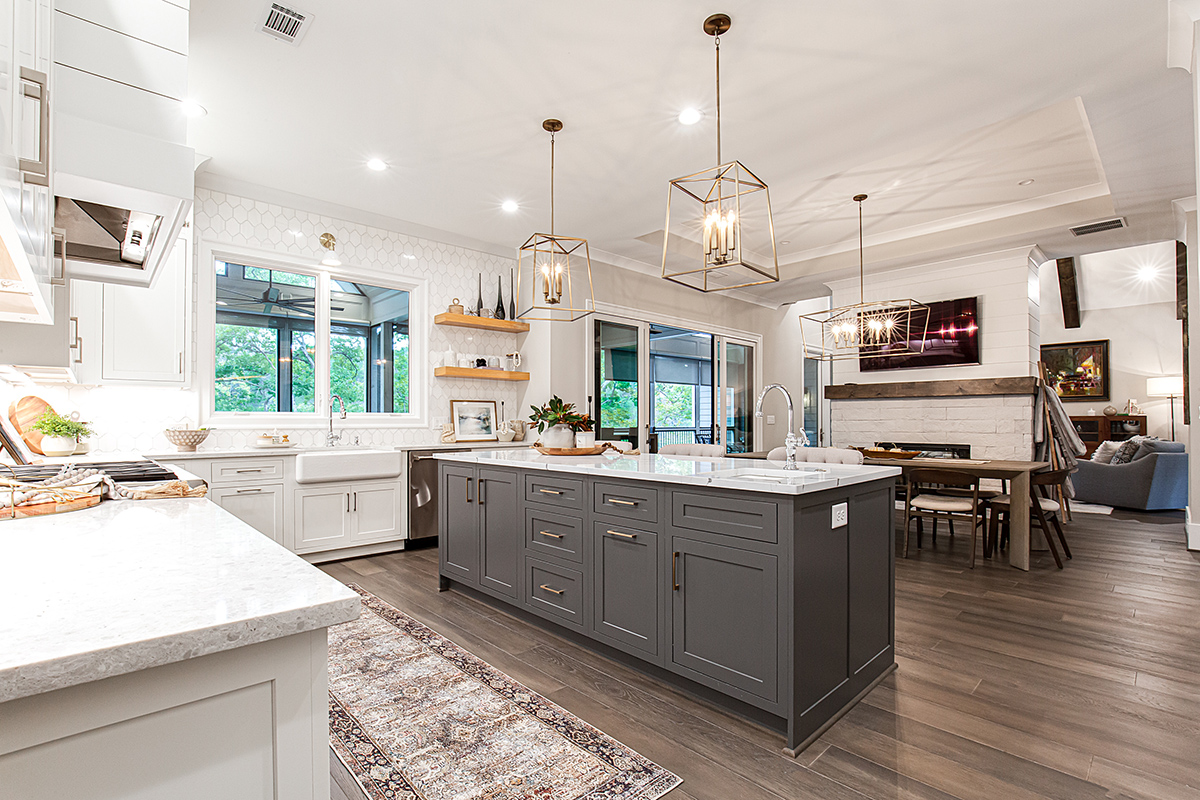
pixel 770 419
pixel 841 515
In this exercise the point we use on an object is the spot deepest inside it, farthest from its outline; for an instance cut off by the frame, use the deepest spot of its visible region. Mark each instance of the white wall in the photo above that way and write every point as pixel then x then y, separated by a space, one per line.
pixel 1144 338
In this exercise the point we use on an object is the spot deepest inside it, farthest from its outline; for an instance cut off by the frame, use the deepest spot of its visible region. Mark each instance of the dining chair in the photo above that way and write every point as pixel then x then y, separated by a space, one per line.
pixel 702 450
pixel 819 455
pixel 1043 509
pixel 925 501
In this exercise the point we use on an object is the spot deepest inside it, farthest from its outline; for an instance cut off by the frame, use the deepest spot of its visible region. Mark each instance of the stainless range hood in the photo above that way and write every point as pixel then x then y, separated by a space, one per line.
pixel 102 234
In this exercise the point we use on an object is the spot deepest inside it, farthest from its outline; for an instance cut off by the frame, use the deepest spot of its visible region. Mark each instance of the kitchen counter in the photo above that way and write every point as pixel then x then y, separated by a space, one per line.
pixel 259 452
pixel 758 475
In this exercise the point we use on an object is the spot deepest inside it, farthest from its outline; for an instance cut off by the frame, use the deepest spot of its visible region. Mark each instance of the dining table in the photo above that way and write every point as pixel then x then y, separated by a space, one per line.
pixel 1017 472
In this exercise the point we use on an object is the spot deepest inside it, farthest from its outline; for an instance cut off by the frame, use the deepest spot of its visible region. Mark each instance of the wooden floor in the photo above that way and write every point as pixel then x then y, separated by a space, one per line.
pixel 1083 683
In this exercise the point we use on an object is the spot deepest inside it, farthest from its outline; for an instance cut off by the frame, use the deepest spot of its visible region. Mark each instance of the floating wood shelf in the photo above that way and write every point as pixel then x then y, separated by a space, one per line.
pixel 979 387
pixel 483 374
pixel 481 323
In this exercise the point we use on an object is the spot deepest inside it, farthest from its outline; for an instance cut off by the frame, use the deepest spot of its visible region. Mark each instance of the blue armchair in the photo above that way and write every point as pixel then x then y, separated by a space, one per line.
pixel 1155 482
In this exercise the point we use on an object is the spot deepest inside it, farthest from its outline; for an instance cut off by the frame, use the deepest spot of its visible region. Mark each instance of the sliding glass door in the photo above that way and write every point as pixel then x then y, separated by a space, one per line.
pixel 739 397
pixel 616 393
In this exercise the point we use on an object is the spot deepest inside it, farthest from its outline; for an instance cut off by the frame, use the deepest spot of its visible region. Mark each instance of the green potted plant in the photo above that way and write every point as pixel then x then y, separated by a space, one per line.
pixel 60 436
pixel 558 421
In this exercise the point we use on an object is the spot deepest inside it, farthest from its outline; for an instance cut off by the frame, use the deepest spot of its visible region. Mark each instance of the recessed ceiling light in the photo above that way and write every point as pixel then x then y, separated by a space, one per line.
pixel 1025 182
pixel 510 206
pixel 1147 273
pixel 193 109
pixel 377 164
pixel 786 241
pixel 690 116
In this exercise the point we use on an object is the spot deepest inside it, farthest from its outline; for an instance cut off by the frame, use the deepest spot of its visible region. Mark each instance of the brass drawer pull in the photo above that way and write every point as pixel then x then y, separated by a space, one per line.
pixel 552 591
pixel 674 582
pixel 548 533
pixel 242 471
pixel 620 502
pixel 246 491
pixel 623 535
pixel 549 491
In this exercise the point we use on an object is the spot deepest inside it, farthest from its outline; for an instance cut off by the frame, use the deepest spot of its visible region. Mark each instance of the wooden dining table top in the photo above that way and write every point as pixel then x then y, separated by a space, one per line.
pixel 985 468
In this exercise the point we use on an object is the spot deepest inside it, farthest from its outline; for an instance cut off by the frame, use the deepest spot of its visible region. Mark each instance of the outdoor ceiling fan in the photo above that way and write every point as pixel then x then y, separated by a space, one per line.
pixel 271 296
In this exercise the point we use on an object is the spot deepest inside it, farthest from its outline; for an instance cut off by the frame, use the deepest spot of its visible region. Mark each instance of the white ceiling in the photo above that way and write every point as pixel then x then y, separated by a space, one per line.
pixel 935 109
pixel 1130 276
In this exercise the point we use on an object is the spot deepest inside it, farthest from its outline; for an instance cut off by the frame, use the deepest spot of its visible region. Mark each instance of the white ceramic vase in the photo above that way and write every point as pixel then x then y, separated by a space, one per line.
pixel 560 437
pixel 585 439
pixel 58 446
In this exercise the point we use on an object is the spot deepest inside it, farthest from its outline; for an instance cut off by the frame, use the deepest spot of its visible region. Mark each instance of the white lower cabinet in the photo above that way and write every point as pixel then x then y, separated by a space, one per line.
pixel 260 507
pixel 346 514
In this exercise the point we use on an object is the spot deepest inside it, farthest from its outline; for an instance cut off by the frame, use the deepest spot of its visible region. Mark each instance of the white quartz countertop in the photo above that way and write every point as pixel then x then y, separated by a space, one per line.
pixel 129 585
pixel 261 452
pixel 757 475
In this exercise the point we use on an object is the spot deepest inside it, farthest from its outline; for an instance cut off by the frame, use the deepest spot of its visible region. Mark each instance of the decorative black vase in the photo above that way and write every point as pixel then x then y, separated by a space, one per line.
pixel 512 297
pixel 499 298
pixel 479 302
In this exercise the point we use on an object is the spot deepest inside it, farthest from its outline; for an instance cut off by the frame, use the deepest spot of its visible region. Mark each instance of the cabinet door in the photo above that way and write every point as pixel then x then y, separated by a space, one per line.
pixel 322 518
pixel 144 328
pixel 260 507
pixel 626 586
pixel 86 331
pixel 376 512
pixel 458 523
pixel 725 615
pixel 500 532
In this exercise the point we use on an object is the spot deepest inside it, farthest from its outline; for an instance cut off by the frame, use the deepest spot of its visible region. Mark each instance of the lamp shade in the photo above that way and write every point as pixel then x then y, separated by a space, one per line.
pixel 1169 386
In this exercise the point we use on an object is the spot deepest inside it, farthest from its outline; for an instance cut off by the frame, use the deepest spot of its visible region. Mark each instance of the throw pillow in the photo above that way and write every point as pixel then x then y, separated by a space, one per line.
pixel 1149 446
pixel 1126 452
pixel 1105 452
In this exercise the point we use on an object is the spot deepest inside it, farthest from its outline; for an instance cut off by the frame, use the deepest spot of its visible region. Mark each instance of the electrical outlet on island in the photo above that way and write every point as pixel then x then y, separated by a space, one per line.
pixel 841 515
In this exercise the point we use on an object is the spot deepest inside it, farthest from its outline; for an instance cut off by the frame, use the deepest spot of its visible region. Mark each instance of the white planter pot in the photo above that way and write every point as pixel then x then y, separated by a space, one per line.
pixel 57 446
pixel 585 439
pixel 559 437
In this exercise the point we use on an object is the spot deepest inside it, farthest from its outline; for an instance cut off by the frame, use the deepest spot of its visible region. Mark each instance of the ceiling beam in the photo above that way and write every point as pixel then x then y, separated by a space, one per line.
pixel 1068 290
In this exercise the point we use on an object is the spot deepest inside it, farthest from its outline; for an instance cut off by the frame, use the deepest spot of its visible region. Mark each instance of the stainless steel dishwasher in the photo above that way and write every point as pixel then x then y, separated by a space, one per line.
pixel 423 495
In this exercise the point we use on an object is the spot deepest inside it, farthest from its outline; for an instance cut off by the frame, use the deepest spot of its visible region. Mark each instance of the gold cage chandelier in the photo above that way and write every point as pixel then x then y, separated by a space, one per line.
pixel 883 329
pixel 546 287
pixel 730 244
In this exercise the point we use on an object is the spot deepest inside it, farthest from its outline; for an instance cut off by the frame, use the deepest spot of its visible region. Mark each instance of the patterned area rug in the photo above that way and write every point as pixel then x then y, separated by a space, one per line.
pixel 413 716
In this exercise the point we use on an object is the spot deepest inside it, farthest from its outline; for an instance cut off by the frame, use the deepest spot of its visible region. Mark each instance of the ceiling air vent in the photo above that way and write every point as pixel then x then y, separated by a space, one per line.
pixel 283 23
pixel 1097 227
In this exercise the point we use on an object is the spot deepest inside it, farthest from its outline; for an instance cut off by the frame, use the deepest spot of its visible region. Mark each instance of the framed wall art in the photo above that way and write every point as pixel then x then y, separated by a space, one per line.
pixel 474 420
pixel 1078 370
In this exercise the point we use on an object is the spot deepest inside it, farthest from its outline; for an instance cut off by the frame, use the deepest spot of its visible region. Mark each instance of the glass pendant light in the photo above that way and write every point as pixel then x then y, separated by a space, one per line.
pixel 554 273
pixel 729 242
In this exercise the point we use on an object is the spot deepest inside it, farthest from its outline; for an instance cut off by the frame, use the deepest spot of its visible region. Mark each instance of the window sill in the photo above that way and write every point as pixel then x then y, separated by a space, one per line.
pixel 310 421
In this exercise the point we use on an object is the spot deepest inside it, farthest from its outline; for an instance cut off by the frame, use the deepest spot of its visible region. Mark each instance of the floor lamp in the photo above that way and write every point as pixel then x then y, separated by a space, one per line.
pixel 1171 387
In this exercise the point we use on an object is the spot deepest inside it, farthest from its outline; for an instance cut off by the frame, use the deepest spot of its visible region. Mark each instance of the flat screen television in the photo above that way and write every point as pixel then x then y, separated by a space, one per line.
pixel 951 338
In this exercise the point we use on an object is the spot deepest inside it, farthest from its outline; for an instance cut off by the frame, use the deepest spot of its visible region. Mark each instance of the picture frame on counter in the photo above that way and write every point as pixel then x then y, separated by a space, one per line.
pixel 473 420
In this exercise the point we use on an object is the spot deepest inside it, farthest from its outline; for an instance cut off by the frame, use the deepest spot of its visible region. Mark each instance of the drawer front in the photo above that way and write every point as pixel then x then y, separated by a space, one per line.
pixel 745 519
pixel 229 472
pixel 555 590
pixel 626 500
pixel 553 534
pixel 561 492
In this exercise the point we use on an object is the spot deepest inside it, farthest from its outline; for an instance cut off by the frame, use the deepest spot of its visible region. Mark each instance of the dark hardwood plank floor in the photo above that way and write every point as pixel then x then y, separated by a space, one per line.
pixel 1081 683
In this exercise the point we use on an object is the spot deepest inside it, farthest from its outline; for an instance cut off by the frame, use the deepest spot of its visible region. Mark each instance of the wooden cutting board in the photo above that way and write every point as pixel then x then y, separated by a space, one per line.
pixel 23 413
pixel 51 507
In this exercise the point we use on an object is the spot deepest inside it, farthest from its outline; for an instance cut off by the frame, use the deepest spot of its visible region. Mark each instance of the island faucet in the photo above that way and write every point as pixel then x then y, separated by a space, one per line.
pixel 331 440
pixel 792 440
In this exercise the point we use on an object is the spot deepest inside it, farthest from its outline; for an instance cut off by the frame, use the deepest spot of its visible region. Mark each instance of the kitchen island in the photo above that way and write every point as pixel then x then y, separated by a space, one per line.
pixel 769 592
pixel 161 648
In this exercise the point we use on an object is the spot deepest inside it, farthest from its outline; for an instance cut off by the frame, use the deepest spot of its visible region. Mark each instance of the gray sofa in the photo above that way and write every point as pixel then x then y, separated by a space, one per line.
pixel 1155 482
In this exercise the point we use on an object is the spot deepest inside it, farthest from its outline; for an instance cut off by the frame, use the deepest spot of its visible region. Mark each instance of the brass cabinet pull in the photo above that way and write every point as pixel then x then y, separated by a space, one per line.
pixel 674 582
pixel 240 471
pixel 347 502
pixel 245 491
pixel 548 533
pixel 549 491
pixel 552 591
pixel 621 502
pixel 468 485
pixel 623 535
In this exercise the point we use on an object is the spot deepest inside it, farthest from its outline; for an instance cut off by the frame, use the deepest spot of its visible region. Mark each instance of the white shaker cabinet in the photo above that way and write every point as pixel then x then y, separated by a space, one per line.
pixel 260 507
pixel 338 515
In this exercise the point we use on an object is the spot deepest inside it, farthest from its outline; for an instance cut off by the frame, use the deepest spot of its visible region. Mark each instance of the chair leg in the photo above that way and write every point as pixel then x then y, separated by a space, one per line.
pixel 907 523
pixel 990 544
pixel 920 530
pixel 1045 526
pixel 933 529
pixel 950 523
pixel 973 526
pixel 1061 538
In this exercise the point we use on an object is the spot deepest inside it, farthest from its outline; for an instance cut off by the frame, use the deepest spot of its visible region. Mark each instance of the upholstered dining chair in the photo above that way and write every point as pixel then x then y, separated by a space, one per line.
pixel 819 455
pixel 1043 509
pixel 702 450
pixel 924 501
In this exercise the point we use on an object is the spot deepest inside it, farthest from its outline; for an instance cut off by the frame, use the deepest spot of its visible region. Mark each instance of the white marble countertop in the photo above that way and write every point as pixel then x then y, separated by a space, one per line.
pixel 757 475
pixel 260 452
pixel 129 585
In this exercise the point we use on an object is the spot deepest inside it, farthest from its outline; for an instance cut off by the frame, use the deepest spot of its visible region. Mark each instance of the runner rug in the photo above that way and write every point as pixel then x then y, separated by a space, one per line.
pixel 413 716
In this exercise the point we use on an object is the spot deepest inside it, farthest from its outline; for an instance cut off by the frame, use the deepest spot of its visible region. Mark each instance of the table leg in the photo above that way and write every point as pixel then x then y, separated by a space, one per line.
pixel 1018 521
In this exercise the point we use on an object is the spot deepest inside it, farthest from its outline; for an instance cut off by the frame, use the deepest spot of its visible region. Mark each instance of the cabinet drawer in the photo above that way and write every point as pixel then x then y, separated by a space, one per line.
pixel 246 470
pixel 745 519
pixel 553 534
pixel 555 590
pixel 626 500
pixel 563 492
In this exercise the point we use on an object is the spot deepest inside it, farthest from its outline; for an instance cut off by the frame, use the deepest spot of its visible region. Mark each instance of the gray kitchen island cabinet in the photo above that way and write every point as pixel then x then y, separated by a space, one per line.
pixel 750 595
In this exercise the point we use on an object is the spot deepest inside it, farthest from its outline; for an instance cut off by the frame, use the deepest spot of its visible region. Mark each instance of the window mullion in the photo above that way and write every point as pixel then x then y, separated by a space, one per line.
pixel 321 336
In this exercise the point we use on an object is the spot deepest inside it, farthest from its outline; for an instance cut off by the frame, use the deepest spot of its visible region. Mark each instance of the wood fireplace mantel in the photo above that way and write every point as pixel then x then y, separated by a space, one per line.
pixel 969 388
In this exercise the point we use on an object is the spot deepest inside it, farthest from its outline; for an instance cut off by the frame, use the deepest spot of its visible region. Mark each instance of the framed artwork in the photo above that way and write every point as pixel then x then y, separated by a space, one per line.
pixel 474 420
pixel 1078 370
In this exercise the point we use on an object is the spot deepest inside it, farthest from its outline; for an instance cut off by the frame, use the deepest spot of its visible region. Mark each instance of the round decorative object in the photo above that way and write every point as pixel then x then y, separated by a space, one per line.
pixel 185 441
pixel 455 307
pixel 558 437
pixel 1110 411
pixel 58 446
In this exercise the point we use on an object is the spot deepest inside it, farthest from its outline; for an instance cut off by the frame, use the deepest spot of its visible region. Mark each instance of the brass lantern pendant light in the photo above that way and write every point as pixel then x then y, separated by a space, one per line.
pixel 876 330
pixel 546 285
pixel 734 228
